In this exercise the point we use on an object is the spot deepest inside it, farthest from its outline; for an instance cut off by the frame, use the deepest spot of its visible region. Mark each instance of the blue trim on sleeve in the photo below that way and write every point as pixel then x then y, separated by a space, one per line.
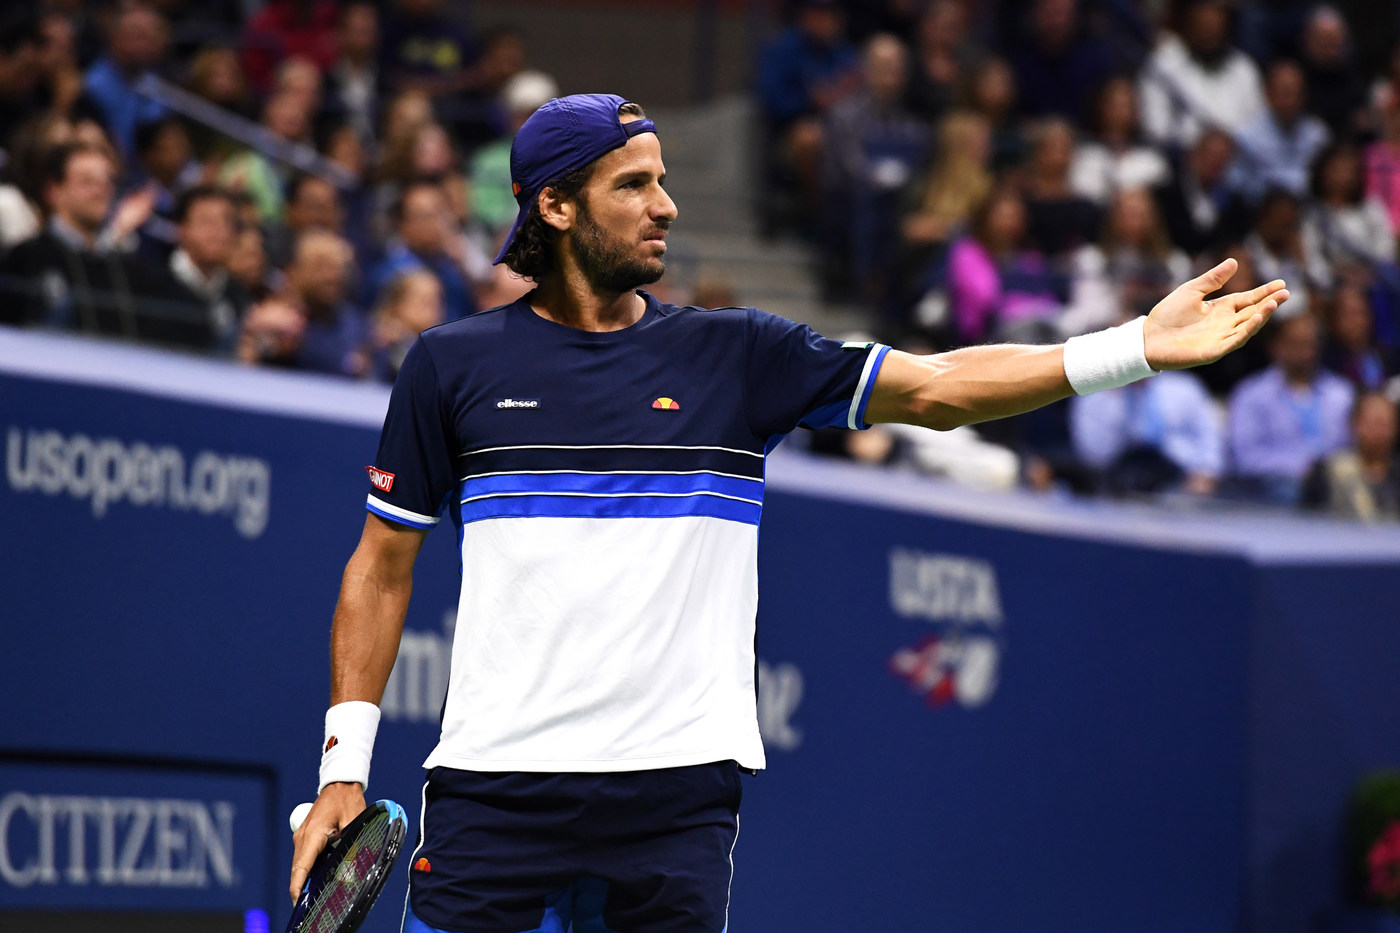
pixel 870 385
pixel 399 518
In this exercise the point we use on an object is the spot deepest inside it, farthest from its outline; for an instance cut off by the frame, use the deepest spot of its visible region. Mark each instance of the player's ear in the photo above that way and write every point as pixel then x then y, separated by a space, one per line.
pixel 555 209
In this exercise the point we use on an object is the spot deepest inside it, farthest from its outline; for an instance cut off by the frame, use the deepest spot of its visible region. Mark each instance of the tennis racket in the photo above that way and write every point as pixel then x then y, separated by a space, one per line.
pixel 351 872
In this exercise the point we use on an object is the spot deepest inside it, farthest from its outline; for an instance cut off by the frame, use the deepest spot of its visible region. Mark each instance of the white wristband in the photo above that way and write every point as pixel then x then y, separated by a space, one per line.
pixel 1107 359
pixel 349 741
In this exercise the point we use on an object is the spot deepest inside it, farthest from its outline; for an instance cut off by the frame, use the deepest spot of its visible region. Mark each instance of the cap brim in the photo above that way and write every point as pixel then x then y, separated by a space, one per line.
pixel 510 237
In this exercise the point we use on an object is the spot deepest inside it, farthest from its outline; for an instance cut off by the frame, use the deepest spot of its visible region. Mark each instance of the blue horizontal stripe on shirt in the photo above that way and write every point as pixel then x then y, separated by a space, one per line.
pixel 611 506
pixel 613 484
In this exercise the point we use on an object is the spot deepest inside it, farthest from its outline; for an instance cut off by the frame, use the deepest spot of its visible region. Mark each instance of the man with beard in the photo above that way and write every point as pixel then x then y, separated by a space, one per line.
pixel 603 453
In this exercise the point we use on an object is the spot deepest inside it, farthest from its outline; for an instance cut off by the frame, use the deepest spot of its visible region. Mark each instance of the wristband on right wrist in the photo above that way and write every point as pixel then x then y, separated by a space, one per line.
pixel 349 743
pixel 1107 359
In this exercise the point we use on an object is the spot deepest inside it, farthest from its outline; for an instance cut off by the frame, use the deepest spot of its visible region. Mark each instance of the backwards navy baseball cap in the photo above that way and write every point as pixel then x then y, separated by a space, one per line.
pixel 562 137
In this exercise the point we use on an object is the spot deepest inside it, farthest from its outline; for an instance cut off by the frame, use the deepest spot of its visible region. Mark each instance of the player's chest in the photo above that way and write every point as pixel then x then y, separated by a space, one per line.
pixel 582 396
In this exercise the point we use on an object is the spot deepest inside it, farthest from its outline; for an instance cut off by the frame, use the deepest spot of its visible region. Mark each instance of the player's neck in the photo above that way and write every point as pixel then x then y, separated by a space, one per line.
pixel 569 299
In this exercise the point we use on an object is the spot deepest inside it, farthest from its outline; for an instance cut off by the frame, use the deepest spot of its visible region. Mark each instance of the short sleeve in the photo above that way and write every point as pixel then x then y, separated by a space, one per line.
pixel 795 377
pixel 414 469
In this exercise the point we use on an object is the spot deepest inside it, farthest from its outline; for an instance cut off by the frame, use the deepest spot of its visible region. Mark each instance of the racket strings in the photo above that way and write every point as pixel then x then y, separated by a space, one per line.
pixel 339 892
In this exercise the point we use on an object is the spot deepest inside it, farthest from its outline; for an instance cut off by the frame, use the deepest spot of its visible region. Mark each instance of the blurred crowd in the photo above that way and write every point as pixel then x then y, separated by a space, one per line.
pixel 311 183
pixel 1031 171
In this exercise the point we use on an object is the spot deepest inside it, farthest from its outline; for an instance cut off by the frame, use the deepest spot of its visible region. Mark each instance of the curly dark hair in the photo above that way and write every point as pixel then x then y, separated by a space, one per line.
pixel 531 252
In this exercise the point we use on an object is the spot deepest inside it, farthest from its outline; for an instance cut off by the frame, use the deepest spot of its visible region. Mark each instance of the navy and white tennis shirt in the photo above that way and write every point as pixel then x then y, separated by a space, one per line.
pixel 607 488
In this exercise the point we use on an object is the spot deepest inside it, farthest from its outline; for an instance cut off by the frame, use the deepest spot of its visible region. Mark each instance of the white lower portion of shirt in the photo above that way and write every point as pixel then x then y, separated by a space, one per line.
pixel 620 644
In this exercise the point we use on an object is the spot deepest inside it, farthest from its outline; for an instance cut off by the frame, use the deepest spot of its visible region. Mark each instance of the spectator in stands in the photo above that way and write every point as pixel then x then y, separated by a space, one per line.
pixel 998 288
pixel 260 176
pixel 1383 165
pixel 1060 221
pixel 1115 157
pixel 355 81
pixel 1350 349
pixel 247 263
pixel 1363 481
pixel 1196 79
pixel 1128 271
pixel 943 54
pixel 137 44
pixel 943 205
pixel 313 203
pixel 19 68
pixel 991 92
pixel 216 75
pixel 1278 148
pixel 806 69
pixel 165 160
pixel 1060 64
pixel 1335 89
pixel 1345 225
pixel 425 237
pixel 334 333
pixel 1199 207
pixel 427 49
pixel 286 28
pixel 61 75
pixel 410 304
pixel 492 200
pixel 198 288
pixel 477 118
pixel 1289 415
pixel 875 145
pixel 1385 91
pixel 76 274
pixel 299 78
pixel 1279 251
pixel 22 194
pixel 1158 435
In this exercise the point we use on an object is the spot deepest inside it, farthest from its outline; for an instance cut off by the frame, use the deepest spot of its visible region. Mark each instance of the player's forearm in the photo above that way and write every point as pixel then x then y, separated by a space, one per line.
pixel 970 385
pixel 365 634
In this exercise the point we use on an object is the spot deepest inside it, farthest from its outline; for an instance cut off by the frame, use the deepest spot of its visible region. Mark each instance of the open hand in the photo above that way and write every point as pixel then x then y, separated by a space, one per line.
pixel 1185 329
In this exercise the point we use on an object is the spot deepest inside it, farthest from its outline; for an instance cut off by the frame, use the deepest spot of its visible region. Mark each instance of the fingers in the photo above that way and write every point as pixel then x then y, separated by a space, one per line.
pixel 1242 300
pixel 1216 278
pixel 309 843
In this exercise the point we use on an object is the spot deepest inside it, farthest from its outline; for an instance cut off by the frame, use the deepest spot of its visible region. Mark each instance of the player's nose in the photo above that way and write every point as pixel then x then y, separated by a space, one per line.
pixel 663 208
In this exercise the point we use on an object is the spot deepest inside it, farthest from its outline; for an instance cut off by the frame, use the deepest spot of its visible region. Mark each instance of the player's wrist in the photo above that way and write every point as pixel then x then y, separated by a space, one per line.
pixel 348 744
pixel 1107 359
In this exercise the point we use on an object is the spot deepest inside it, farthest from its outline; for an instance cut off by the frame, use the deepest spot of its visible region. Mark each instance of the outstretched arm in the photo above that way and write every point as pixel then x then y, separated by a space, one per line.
pixel 365 637
pixel 945 390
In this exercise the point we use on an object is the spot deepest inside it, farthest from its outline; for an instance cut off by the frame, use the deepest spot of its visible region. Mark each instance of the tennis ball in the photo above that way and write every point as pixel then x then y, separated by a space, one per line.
pixel 298 814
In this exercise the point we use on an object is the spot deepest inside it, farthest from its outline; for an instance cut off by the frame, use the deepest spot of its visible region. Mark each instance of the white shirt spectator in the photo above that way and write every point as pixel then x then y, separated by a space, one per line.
pixel 1358 232
pixel 1098 171
pixel 18 221
pixel 1229 96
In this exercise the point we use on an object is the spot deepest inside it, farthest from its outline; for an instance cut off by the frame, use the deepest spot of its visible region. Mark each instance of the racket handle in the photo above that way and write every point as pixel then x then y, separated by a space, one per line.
pixel 298 815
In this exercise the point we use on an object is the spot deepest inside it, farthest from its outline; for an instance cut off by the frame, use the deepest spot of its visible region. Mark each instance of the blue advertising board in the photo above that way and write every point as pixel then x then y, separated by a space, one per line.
pixel 88 834
pixel 981 712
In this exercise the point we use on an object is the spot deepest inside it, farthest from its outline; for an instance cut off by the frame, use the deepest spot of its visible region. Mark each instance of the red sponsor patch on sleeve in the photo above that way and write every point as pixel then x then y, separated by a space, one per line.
pixel 380 480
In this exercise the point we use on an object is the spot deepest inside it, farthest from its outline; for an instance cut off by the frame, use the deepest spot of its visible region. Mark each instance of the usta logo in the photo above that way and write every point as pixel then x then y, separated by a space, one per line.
pixel 960 598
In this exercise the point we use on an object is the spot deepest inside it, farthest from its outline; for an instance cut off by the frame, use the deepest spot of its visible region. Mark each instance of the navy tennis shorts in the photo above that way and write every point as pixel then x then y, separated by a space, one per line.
pixel 622 852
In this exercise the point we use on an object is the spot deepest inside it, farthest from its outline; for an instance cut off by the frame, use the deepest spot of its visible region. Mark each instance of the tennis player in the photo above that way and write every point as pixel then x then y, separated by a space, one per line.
pixel 601 454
